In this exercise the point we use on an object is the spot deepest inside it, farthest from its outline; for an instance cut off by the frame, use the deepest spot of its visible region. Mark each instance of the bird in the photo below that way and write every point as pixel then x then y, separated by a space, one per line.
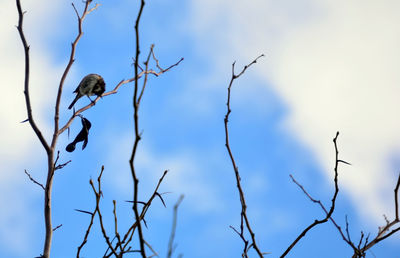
pixel 91 84
pixel 81 137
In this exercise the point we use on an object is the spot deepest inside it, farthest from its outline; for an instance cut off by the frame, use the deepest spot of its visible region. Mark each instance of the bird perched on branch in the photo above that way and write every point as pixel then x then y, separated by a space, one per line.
pixel 81 137
pixel 91 84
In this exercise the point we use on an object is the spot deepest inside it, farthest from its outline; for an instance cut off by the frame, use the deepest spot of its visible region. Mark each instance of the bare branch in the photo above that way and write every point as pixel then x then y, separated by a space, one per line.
pixel 396 198
pixel 172 236
pixel 54 229
pixel 362 246
pixel 333 201
pixel 146 64
pixel 80 18
pixel 33 180
pixel 60 166
pixel 161 70
pixel 114 91
pixel 387 230
pixel 137 134
pixel 237 175
pixel 26 79
pixel 116 225
pixel 155 254
pixel 128 235
pixel 98 194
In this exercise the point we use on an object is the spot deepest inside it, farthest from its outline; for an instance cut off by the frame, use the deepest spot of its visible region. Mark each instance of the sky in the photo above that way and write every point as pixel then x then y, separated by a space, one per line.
pixel 329 66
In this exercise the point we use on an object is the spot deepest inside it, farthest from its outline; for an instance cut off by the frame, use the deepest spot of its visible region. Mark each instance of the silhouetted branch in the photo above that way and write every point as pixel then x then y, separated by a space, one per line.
pixel 116 225
pixel 171 246
pixel 137 134
pixel 146 65
pixel 54 229
pixel 114 91
pixel 158 65
pixel 33 180
pixel 71 60
pixel 333 201
pixel 396 198
pixel 387 230
pixel 237 175
pixel 155 254
pixel 363 244
pixel 60 166
pixel 98 193
pixel 128 235
pixel 26 79
pixel 92 215
pixel 51 167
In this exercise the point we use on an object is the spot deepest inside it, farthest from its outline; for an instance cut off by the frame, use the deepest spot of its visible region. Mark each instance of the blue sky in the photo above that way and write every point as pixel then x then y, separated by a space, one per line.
pixel 329 66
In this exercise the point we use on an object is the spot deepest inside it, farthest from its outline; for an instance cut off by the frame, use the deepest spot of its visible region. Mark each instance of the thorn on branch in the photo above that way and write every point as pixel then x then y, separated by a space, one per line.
pixel 83 211
pixel 345 162
pixel 331 209
pixel 137 202
pixel 162 200
pixel 244 219
pixel 54 229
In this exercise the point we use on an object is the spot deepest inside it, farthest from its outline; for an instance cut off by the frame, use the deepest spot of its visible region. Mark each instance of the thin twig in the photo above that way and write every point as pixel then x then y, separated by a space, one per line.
pixel 158 64
pixel 98 193
pixel 60 166
pixel 146 75
pixel 26 79
pixel 54 229
pixel 71 60
pixel 396 198
pixel 128 235
pixel 137 134
pixel 93 214
pixel 33 180
pixel 114 91
pixel 116 225
pixel 171 247
pixel 333 201
pixel 237 175
pixel 361 248
pixel 155 254
pixel 382 234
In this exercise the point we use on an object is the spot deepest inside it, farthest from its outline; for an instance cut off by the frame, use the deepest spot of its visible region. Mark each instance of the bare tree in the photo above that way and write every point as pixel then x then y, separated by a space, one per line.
pixel 364 243
pixel 122 245
pixel 119 243
pixel 244 220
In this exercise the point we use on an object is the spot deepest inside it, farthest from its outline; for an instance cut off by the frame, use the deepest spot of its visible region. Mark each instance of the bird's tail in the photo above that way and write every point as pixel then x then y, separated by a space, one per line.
pixel 74 101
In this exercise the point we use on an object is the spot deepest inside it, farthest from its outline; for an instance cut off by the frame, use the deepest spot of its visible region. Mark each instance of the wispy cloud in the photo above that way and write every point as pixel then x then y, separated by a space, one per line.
pixel 334 65
pixel 19 148
pixel 184 176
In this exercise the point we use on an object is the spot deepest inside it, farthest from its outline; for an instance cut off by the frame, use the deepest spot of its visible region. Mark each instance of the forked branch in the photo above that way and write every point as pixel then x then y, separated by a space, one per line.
pixel 171 246
pixel 243 214
pixel 333 201
pixel 137 135
pixel 364 243
pixel 50 149
pixel 26 79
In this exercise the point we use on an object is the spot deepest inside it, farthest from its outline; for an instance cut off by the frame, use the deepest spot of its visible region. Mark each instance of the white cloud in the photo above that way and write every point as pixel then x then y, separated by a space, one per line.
pixel 20 148
pixel 184 174
pixel 334 64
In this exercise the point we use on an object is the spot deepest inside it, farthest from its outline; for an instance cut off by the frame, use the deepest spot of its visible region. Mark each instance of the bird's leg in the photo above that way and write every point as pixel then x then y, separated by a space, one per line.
pixel 94 103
